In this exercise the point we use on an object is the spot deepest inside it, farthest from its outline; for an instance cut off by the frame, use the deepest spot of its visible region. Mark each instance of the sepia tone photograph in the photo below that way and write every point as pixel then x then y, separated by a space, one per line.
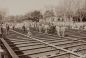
pixel 42 28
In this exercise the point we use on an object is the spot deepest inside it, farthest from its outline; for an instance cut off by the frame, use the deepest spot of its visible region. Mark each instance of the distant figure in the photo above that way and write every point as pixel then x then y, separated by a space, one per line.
pixel 2 31
pixel 63 31
pixel 46 27
pixel 24 28
pixel 40 27
pixel 29 33
pixel 7 28
pixel 58 30
pixel 36 26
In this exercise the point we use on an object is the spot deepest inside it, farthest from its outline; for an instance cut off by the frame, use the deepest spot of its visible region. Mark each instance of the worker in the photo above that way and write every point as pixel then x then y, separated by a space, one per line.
pixel 29 33
pixel 40 27
pixel 58 30
pixel 62 30
pixel 7 28
pixel 46 27
pixel 2 30
pixel 24 28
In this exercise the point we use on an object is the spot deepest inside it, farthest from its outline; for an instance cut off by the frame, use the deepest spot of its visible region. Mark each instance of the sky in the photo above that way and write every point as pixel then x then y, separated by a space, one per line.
pixel 19 7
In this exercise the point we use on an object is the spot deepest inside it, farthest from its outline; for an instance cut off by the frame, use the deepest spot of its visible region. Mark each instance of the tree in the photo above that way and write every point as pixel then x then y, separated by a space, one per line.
pixel 48 13
pixel 81 13
pixel 36 15
pixel 69 7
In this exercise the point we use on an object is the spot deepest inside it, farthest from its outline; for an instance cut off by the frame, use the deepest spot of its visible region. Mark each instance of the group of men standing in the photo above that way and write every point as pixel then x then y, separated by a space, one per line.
pixel 4 29
pixel 60 27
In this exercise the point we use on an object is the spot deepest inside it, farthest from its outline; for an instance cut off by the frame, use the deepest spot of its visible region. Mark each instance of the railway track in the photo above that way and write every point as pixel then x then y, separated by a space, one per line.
pixel 77 43
pixel 44 46
pixel 74 37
